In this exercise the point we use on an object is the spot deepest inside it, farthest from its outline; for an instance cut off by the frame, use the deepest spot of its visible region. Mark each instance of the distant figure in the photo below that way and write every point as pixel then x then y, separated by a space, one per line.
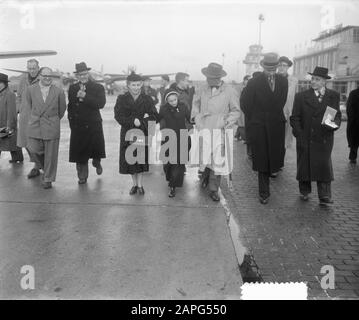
pixel 215 106
pixel 173 116
pixel 353 124
pixel 263 101
pixel 165 84
pixel 181 86
pixel 147 89
pixel 134 110
pixel 86 98
pixel 241 134
pixel 28 79
pixel 314 138
pixel 47 106
pixel 8 120
pixel 284 65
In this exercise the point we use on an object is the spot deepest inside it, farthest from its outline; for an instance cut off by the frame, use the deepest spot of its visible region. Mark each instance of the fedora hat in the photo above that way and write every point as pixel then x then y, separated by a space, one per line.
pixel 80 67
pixel 270 61
pixel 214 70
pixel 286 60
pixel 4 78
pixel 320 72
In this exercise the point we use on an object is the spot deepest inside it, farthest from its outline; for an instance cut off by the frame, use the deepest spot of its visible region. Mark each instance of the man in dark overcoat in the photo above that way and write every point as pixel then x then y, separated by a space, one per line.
pixel 314 139
pixel 262 102
pixel 353 124
pixel 86 98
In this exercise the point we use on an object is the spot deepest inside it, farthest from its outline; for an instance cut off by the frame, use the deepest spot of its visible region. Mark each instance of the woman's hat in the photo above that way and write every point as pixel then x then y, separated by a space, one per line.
pixel 133 77
pixel 270 61
pixel 4 78
pixel 320 72
pixel 286 60
pixel 80 67
pixel 170 92
pixel 214 70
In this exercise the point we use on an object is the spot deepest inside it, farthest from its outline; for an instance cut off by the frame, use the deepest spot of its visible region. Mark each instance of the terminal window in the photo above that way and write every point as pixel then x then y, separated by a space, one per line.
pixel 356 35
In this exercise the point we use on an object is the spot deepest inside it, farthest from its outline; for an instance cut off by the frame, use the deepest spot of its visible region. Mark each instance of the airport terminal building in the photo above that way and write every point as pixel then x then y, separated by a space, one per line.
pixel 338 50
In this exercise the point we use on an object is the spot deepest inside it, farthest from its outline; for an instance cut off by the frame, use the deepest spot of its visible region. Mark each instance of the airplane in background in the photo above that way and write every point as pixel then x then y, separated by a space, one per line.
pixel 107 79
pixel 24 54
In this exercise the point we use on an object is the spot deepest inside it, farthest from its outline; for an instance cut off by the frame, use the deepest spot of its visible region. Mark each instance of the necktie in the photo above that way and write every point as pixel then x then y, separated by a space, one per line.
pixel 320 96
pixel 271 82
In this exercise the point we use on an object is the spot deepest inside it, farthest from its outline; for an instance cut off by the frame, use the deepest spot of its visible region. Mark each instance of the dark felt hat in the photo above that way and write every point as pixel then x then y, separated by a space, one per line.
pixel 214 70
pixel 270 61
pixel 133 77
pixel 286 60
pixel 80 67
pixel 4 78
pixel 320 72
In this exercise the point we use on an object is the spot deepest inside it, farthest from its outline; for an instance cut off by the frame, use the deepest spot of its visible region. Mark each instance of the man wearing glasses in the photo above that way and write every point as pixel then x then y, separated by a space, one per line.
pixel 47 106
pixel 86 98
pixel 283 66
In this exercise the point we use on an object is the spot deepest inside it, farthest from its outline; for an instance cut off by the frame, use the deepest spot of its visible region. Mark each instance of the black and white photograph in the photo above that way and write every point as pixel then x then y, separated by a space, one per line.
pixel 179 150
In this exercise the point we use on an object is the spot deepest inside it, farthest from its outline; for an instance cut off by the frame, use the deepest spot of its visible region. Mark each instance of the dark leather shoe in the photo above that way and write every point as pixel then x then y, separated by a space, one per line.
pixel 15 161
pixel 325 201
pixel 47 185
pixel 274 175
pixel 353 161
pixel 99 169
pixel 33 173
pixel 214 196
pixel 141 191
pixel 263 200
pixel 133 190
pixel 82 181
pixel 304 197
pixel 172 192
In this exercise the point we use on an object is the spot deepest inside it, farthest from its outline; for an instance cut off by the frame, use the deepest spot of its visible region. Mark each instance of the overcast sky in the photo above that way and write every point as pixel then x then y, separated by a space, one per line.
pixel 162 36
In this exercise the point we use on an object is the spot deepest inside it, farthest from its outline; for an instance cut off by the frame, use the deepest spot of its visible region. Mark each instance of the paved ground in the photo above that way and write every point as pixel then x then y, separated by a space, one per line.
pixel 97 241
pixel 291 240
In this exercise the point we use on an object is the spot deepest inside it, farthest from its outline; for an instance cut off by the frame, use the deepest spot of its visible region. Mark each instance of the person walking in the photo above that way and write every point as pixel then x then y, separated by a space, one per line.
pixel 173 116
pixel 215 109
pixel 263 101
pixel 315 135
pixel 353 124
pixel 283 67
pixel 8 121
pixel 26 80
pixel 47 106
pixel 133 110
pixel 86 98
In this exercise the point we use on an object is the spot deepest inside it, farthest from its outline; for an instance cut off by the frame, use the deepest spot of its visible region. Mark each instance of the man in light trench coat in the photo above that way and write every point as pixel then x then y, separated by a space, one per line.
pixel 215 106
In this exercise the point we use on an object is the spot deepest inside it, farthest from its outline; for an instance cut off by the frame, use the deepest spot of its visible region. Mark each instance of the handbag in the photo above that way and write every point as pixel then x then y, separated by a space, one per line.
pixel 6 133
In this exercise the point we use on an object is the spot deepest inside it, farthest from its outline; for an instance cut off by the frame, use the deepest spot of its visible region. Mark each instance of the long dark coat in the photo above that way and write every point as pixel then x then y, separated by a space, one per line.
pixel 314 140
pixel 353 119
pixel 126 111
pixel 8 118
pixel 266 122
pixel 87 140
pixel 175 120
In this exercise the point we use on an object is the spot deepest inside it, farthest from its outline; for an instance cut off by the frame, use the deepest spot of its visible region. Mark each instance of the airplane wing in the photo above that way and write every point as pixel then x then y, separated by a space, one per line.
pixel 24 54
pixel 111 77
pixel 15 70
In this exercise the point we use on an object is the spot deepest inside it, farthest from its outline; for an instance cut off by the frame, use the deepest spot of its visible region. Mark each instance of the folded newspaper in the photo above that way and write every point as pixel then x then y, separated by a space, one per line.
pixel 329 116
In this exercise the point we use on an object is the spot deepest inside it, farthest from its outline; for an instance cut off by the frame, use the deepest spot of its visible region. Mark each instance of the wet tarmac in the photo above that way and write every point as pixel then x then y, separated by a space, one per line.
pixel 97 241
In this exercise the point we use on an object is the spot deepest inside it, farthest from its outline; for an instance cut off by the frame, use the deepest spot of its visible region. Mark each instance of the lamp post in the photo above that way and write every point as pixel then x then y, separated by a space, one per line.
pixel 261 19
pixel 223 59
